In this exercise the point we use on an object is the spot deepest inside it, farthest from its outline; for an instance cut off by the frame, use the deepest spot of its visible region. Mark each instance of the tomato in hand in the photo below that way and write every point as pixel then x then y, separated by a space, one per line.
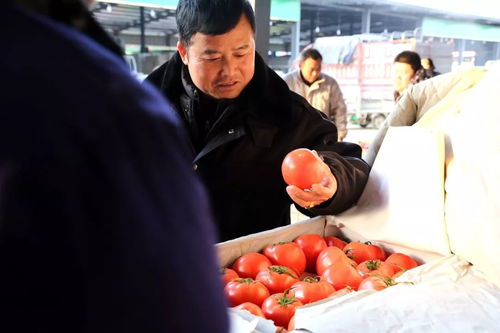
pixel 335 241
pixel 312 289
pixel 302 168
pixel 312 245
pixel 376 267
pixel 245 290
pixel 328 257
pixel 252 308
pixel 287 254
pixel 401 261
pixel 227 275
pixel 375 282
pixel 341 275
pixel 250 264
pixel 280 308
pixel 277 278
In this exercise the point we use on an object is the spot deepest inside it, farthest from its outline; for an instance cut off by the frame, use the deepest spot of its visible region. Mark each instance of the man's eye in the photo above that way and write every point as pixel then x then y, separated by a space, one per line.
pixel 240 55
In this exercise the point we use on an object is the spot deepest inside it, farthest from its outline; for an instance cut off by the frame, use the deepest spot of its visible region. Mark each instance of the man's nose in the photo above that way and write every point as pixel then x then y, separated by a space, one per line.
pixel 228 66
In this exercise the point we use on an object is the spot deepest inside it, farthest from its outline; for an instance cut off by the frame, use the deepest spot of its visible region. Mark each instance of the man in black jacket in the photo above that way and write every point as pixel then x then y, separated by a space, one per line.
pixel 243 120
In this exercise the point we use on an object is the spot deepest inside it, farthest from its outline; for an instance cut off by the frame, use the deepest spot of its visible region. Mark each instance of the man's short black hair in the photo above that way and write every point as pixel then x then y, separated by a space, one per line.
pixel 210 17
pixel 310 53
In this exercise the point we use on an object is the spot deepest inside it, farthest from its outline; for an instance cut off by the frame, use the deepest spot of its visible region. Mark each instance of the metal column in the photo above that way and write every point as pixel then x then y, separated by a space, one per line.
pixel 312 27
pixel 143 33
pixel 295 45
pixel 262 10
pixel 366 17
pixel 461 50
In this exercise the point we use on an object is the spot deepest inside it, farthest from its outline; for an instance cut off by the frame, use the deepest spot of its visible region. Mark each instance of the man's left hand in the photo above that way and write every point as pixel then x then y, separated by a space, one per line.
pixel 317 194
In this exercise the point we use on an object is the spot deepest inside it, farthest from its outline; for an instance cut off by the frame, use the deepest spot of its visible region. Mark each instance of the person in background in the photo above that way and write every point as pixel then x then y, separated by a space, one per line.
pixel 406 70
pixel 104 227
pixel 243 120
pixel 319 89
pixel 428 65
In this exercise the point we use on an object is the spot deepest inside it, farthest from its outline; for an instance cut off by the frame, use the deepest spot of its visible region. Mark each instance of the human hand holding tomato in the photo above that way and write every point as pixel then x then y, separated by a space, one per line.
pixel 310 180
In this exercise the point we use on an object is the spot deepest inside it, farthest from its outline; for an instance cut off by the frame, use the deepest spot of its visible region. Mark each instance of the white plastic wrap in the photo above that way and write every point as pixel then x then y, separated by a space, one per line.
pixel 403 202
pixel 446 295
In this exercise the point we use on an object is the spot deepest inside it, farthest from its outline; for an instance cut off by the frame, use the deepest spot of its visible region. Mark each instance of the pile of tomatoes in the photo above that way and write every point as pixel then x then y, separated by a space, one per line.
pixel 284 276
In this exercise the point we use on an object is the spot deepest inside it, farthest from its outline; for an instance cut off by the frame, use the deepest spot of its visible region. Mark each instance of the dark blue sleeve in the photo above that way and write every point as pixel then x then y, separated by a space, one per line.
pixel 104 226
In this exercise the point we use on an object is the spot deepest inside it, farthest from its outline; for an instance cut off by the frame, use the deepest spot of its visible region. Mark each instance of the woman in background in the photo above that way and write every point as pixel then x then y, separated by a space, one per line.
pixel 406 70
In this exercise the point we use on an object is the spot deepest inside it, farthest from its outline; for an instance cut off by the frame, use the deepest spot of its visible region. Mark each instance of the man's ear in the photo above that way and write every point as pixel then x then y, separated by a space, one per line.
pixel 182 52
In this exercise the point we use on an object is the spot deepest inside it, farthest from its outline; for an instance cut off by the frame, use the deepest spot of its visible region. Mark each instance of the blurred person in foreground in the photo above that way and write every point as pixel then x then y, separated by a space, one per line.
pixel 406 70
pixel 430 69
pixel 104 227
pixel 320 90
pixel 243 120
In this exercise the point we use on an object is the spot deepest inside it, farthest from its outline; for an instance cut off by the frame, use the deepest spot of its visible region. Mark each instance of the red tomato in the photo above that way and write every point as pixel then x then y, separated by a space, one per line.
pixel 334 241
pixel 287 254
pixel 357 251
pixel 306 274
pixel 302 168
pixel 312 290
pixel 228 274
pixel 398 274
pixel 375 282
pixel 312 245
pixel 328 257
pixel 343 291
pixel 280 308
pixel 375 251
pixel 376 267
pixel 245 290
pixel 252 308
pixel 401 261
pixel 341 275
pixel 248 265
pixel 277 278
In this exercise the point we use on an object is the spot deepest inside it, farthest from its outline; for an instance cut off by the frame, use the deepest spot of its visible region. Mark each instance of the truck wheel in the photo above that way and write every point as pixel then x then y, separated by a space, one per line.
pixel 378 121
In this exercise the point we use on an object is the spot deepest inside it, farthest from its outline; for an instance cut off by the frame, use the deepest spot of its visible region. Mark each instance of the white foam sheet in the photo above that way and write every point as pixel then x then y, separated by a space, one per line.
pixel 446 295
pixel 403 201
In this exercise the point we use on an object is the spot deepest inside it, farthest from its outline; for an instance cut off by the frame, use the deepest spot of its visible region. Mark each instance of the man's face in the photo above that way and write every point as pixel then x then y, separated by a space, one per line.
pixel 402 74
pixel 221 65
pixel 310 69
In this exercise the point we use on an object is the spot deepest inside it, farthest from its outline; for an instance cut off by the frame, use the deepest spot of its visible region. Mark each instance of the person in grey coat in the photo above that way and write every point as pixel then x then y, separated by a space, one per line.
pixel 320 90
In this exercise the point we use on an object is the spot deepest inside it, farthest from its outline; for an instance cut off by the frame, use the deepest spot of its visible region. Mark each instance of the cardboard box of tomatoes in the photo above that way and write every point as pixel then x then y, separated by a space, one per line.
pixel 403 210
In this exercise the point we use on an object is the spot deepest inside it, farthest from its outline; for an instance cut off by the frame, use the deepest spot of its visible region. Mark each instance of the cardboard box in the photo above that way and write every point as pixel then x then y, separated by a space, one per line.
pixel 444 294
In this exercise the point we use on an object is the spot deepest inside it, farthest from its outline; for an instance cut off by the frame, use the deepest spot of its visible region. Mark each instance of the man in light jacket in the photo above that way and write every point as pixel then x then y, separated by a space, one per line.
pixel 319 89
